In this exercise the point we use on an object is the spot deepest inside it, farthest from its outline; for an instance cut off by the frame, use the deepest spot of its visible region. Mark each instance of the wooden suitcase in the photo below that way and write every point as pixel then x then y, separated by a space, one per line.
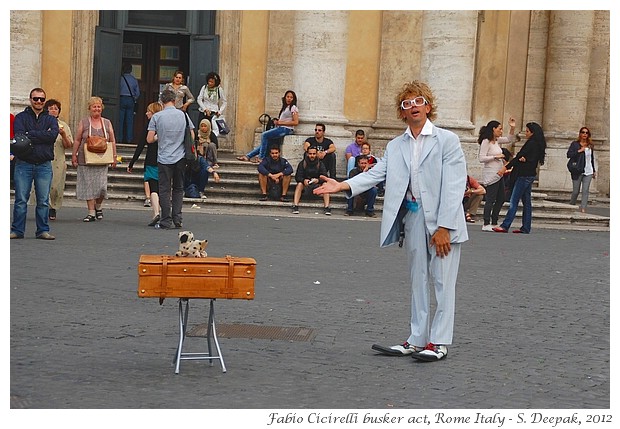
pixel 165 276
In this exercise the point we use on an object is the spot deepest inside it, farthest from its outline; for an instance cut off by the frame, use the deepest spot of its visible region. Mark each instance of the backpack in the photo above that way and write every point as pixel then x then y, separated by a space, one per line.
pixel 191 191
pixel 274 190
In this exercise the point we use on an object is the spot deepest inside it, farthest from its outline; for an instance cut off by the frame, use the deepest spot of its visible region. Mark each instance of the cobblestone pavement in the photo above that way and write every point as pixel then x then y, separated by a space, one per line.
pixel 532 324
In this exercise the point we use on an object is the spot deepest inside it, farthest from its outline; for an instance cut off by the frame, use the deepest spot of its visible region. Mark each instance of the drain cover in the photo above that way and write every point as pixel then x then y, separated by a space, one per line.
pixel 286 333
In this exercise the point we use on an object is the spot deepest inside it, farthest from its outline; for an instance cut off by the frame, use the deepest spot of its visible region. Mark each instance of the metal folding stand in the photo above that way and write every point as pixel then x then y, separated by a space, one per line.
pixel 211 334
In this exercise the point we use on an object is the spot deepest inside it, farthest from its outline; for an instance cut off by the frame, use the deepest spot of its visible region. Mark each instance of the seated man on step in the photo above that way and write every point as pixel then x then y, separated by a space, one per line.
pixel 274 176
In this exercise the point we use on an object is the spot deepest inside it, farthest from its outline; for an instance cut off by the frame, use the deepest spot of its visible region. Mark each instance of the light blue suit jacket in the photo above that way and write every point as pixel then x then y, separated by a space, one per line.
pixel 442 177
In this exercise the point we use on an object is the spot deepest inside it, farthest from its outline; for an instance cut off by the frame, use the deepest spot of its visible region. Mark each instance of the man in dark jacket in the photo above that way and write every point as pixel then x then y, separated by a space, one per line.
pixel 274 174
pixel 308 176
pixel 42 130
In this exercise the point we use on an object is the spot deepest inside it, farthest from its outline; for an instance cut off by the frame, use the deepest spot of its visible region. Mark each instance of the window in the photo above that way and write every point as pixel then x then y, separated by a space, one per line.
pixel 176 19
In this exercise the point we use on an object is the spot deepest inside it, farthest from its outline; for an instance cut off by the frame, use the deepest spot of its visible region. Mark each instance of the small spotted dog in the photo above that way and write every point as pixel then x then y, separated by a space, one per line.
pixel 190 247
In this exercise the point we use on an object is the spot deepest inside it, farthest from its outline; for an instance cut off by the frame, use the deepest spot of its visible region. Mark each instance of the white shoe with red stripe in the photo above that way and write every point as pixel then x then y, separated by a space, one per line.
pixel 431 353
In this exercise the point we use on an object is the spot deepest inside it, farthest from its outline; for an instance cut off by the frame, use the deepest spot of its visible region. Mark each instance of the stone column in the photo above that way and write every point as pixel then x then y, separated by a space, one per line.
pixel 319 76
pixel 597 114
pixel 536 65
pixel 229 70
pixel 25 56
pixel 568 70
pixel 319 68
pixel 401 50
pixel 447 64
pixel 598 93
pixel 567 82
pixel 84 24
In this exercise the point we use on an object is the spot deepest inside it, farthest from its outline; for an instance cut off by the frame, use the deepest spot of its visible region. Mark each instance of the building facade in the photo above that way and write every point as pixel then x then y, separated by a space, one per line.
pixel 550 67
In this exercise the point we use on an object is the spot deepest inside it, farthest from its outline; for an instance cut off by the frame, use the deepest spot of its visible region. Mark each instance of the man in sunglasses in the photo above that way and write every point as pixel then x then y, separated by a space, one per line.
pixel 424 169
pixel 42 129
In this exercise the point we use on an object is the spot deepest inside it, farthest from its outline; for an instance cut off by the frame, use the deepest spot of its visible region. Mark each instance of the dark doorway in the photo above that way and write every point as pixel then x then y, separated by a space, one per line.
pixel 154 58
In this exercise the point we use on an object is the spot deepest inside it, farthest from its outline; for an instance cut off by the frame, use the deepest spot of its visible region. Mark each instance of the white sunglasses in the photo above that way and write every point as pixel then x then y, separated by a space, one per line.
pixel 408 104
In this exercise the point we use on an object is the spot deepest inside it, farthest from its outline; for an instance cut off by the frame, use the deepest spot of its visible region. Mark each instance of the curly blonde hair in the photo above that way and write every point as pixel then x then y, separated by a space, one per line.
pixel 416 89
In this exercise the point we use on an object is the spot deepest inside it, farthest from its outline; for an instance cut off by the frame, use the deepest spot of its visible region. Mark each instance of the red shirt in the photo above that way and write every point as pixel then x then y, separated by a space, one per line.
pixel 471 183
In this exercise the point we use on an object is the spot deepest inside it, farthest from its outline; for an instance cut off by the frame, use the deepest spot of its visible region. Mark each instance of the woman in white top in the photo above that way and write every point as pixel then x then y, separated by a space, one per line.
pixel 211 98
pixel 491 156
pixel 582 148
pixel 284 125
pixel 181 91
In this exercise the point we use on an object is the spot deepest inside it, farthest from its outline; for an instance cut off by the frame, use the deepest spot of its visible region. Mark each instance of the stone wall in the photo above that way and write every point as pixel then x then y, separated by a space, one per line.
pixel 551 67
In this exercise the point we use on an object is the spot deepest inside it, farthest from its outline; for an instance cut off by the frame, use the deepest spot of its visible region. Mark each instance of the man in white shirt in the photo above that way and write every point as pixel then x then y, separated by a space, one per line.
pixel 424 169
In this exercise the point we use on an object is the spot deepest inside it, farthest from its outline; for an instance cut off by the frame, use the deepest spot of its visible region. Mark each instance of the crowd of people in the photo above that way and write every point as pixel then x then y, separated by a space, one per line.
pixel 167 176
pixel 423 173
pixel 168 179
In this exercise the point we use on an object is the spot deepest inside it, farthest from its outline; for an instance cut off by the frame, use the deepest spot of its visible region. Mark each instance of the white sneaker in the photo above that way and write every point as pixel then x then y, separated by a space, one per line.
pixel 147 202
pixel 431 353
pixel 488 227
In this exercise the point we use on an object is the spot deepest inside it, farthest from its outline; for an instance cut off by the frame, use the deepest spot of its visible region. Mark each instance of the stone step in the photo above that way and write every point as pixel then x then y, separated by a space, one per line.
pixel 238 190
pixel 544 212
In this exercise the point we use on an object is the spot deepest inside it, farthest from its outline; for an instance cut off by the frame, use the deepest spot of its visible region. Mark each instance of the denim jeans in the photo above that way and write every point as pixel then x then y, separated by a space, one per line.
pixel 125 120
pixel 199 178
pixel 522 190
pixel 272 134
pixel 25 173
pixel 582 182
pixel 367 197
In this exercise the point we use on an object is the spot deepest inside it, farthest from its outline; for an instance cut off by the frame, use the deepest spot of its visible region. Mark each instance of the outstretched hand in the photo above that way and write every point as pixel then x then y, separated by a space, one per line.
pixel 329 186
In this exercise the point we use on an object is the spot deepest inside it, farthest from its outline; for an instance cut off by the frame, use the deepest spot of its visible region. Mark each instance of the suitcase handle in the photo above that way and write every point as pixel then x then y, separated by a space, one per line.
pixel 228 290
pixel 164 281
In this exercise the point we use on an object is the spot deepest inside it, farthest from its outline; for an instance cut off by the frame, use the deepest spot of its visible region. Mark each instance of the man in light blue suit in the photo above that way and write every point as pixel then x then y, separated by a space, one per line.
pixel 424 170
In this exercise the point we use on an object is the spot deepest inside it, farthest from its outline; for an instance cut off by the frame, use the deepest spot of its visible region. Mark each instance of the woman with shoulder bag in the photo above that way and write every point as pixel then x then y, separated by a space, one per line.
pixel 581 154
pixel 92 180
pixel 211 98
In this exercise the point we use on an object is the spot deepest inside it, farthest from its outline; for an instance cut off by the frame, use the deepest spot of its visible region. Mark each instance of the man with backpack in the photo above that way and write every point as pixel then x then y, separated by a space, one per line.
pixel 274 176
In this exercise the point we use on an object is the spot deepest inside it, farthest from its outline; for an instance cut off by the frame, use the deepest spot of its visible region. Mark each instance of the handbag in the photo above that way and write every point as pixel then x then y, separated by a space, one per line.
pixel 188 143
pixel 98 158
pixel 266 121
pixel 21 146
pixel 96 144
pixel 577 165
pixel 94 158
pixel 222 127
